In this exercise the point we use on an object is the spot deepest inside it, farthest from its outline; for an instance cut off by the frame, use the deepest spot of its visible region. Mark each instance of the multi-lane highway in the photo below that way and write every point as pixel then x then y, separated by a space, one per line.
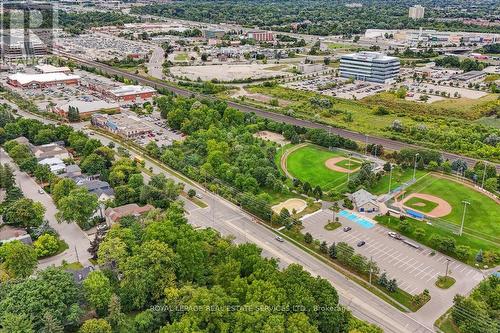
pixel 356 136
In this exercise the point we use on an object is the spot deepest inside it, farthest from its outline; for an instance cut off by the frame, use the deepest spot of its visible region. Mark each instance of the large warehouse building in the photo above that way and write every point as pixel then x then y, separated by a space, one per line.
pixel 369 66
pixel 131 93
pixel 42 80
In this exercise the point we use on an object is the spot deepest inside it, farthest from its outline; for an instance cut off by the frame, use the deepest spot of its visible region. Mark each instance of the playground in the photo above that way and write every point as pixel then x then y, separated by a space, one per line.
pixel 319 166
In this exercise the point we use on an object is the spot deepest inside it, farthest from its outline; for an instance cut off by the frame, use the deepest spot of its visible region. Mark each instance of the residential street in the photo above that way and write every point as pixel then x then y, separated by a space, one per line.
pixel 76 239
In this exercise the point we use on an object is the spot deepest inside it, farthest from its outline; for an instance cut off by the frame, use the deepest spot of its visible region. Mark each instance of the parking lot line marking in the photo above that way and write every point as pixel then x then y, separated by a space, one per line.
pixel 432 277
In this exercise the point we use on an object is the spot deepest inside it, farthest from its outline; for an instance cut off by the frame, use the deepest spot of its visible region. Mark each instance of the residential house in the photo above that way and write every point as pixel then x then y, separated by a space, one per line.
pixel 56 164
pixel 80 275
pixel 113 215
pixel 72 171
pixel 9 233
pixel 100 188
pixel 364 201
pixel 55 149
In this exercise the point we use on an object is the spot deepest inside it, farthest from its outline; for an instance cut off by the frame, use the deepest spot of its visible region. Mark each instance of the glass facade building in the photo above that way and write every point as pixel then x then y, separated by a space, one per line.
pixel 369 66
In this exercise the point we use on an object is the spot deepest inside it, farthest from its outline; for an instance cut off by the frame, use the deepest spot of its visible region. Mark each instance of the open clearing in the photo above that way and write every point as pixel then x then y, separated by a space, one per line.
pixel 308 164
pixel 226 72
pixel 272 136
pixel 482 214
pixel 291 205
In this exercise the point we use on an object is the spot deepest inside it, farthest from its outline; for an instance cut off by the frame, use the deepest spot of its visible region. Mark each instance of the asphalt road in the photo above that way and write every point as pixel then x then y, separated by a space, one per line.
pixel 229 219
pixel 76 239
pixel 356 136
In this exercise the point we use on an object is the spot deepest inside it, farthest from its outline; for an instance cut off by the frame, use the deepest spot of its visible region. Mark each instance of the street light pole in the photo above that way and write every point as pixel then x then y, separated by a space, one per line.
pixel 415 166
pixel 463 216
pixel 446 273
pixel 349 165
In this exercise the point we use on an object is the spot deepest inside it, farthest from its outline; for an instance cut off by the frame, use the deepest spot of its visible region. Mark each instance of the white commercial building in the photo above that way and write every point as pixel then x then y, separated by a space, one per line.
pixel 416 12
pixel 369 66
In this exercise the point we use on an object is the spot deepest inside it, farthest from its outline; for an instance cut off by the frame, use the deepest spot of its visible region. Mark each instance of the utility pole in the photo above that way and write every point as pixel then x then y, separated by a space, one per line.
pixel 76 252
pixel 463 216
pixel 390 179
pixel 415 166
pixel 371 269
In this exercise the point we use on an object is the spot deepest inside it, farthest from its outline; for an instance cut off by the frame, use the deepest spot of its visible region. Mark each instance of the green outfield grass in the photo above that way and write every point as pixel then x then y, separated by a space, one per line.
pixel 420 204
pixel 482 213
pixel 308 165
pixel 399 177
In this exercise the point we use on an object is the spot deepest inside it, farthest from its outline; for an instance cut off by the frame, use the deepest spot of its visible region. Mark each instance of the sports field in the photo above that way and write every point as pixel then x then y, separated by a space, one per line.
pixel 399 177
pixel 483 213
pixel 420 204
pixel 309 165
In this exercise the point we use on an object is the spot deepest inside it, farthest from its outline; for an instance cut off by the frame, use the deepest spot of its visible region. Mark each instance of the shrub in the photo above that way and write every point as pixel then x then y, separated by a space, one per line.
pixel 308 238
pixel 46 245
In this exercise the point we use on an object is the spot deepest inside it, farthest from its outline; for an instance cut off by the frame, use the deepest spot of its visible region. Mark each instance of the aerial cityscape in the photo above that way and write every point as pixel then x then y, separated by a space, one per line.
pixel 220 166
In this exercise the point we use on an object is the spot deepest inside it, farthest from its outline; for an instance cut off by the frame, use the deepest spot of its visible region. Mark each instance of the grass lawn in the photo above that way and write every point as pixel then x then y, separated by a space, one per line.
pixel 73 266
pixel 308 165
pixel 349 165
pixel 181 57
pixel 332 226
pixel 482 214
pixel 445 282
pixel 399 177
pixel 420 204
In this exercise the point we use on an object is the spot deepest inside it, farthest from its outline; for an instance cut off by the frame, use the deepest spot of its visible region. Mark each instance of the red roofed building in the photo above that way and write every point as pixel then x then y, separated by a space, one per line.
pixel 114 215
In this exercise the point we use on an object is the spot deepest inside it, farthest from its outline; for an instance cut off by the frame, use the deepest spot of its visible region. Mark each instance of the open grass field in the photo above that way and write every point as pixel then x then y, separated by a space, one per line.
pixel 482 214
pixel 399 177
pixel 181 57
pixel 308 165
pixel 420 204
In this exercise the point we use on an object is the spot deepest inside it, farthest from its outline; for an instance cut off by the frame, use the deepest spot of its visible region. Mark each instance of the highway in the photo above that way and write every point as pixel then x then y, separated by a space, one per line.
pixel 356 136
pixel 230 219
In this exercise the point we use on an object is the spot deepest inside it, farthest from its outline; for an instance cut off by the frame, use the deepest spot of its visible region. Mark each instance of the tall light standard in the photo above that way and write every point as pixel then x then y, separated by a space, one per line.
pixel 463 216
pixel 390 179
pixel 446 273
pixel 415 166
pixel 349 165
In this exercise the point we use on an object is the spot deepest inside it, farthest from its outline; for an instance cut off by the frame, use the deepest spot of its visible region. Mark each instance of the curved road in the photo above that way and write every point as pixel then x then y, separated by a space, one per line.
pixel 356 136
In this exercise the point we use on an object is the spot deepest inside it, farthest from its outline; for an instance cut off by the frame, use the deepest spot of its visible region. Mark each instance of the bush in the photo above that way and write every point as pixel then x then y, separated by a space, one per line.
pixel 308 238
pixel 191 193
pixel 46 245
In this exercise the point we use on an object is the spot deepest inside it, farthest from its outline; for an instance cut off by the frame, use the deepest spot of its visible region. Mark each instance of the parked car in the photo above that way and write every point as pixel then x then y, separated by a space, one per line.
pixel 102 227
pixel 41 191
pixel 279 239
pixel 395 235
pixel 346 229
pixel 361 243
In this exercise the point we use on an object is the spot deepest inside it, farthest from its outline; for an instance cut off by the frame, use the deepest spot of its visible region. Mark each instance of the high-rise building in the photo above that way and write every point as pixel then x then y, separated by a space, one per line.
pixel 369 66
pixel 416 12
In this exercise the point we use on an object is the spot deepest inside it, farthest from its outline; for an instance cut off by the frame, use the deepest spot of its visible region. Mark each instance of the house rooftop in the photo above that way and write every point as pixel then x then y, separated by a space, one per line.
pixel 133 209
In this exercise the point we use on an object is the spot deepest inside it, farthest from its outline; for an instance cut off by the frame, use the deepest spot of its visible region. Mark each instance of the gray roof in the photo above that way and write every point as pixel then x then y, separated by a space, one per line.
pixel 93 185
pixel 362 197
pixel 80 275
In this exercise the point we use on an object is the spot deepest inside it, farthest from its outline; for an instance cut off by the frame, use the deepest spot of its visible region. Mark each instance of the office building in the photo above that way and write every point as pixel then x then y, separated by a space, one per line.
pixel 416 12
pixel 369 66
pixel 261 36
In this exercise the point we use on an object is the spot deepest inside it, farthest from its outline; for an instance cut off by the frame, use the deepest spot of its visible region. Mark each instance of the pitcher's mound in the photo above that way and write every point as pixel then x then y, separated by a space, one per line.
pixel 342 164
pixel 290 204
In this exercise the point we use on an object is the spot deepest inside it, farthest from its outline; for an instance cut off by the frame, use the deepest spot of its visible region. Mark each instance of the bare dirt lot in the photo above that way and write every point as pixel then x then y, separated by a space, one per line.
pixel 226 72
pixel 271 136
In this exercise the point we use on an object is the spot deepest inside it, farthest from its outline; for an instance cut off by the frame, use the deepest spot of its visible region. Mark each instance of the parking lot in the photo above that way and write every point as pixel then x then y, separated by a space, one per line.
pixel 161 133
pixel 339 87
pixel 414 269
